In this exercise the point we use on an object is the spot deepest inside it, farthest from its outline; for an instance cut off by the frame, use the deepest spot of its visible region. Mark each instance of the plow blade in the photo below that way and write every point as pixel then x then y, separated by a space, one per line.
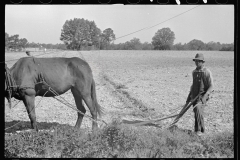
pixel 149 123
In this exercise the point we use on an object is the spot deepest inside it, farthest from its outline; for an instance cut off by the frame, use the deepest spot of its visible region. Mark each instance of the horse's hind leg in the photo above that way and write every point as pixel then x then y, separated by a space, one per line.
pixel 30 106
pixel 80 107
pixel 89 102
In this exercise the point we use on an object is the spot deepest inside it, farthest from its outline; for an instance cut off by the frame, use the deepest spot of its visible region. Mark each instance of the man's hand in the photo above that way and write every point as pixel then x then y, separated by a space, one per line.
pixel 205 98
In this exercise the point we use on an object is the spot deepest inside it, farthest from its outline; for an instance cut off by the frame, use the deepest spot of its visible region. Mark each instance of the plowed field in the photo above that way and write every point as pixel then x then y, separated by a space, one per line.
pixel 140 85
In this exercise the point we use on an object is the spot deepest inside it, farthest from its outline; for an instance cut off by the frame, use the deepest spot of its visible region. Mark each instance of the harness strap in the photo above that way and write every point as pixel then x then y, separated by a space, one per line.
pixel 15 88
pixel 8 83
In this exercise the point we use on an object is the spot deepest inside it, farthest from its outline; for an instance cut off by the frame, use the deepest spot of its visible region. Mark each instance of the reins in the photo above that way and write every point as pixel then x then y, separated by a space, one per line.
pixel 62 100
pixel 65 102
pixel 70 105
pixel 28 113
pixel 10 82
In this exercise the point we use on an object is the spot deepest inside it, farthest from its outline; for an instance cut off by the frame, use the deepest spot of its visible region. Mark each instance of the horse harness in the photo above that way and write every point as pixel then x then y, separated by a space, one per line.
pixel 13 88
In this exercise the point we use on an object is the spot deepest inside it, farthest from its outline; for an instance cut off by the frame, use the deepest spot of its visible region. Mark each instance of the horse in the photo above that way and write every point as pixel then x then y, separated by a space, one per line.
pixel 30 77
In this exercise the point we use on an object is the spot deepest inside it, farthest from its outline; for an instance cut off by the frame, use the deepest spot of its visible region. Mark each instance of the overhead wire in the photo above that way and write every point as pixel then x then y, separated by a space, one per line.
pixel 132 32
pixel 157 23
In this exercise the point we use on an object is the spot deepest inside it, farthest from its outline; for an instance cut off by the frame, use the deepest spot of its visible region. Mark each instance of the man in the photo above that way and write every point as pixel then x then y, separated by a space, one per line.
pixel 203 85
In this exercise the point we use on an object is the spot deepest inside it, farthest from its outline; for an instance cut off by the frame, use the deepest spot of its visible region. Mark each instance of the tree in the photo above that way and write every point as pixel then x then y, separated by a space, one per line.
pixel 196 45
pixel 79 32
pixel 106 37
pixel 127 46
pixel 6 39
pixel 147 46
pixel 178 46
pixel 213 46
pixel 13 41
pixel 136 44
pixel 60 46
pixel 94 33
pixel 119 46
pixel 227 47
pixel 32 45
pixel 163 39
pixel 133 44
pixel 22 43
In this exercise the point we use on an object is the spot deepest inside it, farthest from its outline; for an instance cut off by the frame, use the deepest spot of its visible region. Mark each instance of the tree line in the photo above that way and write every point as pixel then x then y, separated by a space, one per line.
pixel 18 44
pixel 135 44
pixel 82 34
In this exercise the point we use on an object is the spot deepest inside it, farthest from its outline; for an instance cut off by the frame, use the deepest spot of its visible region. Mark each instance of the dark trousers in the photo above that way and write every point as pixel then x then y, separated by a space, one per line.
pixel 198 115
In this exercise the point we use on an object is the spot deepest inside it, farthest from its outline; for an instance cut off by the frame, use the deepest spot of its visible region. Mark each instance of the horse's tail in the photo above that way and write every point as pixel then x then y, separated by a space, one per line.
pixel 94 98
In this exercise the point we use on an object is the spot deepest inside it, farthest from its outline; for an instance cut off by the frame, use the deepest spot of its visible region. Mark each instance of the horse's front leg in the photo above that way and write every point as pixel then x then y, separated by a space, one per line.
pixel 29 101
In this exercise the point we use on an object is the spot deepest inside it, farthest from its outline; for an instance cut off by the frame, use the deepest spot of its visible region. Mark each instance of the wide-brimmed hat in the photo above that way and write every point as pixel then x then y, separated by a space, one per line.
pixel 199 56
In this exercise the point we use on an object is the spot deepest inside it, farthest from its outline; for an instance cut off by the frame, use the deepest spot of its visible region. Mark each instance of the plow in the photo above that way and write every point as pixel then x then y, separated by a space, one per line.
pixel 154 122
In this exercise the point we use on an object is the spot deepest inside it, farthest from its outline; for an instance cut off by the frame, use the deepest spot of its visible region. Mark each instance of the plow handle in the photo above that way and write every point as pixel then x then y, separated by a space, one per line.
pixel 185 108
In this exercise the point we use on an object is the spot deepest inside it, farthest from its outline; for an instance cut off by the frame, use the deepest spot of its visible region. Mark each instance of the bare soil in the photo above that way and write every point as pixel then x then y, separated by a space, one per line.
pixel 141 85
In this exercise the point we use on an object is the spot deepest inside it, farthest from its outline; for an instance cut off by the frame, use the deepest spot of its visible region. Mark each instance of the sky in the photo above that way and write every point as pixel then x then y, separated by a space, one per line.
pixel 43 23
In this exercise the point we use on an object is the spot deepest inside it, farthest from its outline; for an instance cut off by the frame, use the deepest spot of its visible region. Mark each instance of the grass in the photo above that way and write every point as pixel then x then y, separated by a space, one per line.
pixel 117 141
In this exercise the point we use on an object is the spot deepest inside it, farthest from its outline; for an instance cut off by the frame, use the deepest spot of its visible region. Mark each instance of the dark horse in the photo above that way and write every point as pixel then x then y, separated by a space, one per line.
pixel 30 77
